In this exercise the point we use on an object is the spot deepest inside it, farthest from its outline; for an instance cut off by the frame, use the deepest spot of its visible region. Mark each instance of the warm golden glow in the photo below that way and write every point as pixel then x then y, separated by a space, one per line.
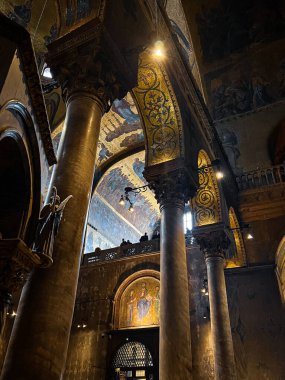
pixel 249 236
pixel 206 204
pixel 140 303
pixel 159 50
pixel 239 260
pixel 159 111
pixel 219 174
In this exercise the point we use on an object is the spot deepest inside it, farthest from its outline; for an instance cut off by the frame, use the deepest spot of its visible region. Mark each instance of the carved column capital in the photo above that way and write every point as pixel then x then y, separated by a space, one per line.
pixel 16 262
pixel 171 187
pixel 82 62
pixel 212 239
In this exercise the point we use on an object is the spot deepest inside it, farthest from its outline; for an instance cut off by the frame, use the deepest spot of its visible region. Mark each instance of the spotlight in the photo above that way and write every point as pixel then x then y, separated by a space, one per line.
pixel 84 325
pixel 219 175
pixel 158 50
pixel 249 236
pixel 13 314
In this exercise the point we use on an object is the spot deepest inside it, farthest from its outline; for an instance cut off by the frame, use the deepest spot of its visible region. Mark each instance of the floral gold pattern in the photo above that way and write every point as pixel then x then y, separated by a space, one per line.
pixel 206 204
pixel 159 112
pixel 240 250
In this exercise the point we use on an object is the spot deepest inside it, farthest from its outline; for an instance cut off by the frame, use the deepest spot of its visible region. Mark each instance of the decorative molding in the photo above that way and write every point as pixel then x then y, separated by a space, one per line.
pixel 21 37
pixel 262 203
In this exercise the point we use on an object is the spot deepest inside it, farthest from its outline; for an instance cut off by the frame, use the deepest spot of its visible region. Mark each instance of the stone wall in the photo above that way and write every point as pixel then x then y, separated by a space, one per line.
pixel 257 320
pixel 88 347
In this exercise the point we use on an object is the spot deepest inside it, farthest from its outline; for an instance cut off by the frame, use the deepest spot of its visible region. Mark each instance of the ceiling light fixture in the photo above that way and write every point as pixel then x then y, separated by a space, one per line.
pixel 135 191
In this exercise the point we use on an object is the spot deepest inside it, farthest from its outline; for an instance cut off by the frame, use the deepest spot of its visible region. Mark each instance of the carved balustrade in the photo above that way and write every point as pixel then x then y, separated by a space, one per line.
pixel 274 175
pixel 126 251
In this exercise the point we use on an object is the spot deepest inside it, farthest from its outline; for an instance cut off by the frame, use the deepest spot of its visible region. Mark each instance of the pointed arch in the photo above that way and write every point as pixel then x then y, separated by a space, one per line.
pixel 207 204
pixel 240 258
pixel 159 112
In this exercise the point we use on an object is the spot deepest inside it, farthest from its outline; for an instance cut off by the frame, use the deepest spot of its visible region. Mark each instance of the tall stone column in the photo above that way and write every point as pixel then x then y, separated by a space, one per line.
pixel 175 360
pixel 213 242
pixel 39 341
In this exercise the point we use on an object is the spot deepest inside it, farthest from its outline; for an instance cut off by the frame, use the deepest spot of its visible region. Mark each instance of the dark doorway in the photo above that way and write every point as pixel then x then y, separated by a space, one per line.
pixel 15 186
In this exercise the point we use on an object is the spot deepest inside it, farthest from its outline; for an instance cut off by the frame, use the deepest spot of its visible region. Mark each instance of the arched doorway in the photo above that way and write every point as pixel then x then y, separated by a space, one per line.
pixel 133 360
pixel 15 186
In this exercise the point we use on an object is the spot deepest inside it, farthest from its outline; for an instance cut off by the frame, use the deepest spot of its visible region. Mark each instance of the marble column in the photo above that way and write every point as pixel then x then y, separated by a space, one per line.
pixel 213 243
pixel 39 341
pixel 175 361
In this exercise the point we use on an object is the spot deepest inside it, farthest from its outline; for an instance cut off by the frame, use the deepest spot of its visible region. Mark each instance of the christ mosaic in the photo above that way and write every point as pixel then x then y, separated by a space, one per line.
pixel 140 304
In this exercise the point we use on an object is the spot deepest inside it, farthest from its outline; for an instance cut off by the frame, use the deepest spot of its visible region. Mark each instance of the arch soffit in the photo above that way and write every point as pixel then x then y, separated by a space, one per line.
pixel 159 112
pixel 207 203
pixel 240 260
pixel 280 255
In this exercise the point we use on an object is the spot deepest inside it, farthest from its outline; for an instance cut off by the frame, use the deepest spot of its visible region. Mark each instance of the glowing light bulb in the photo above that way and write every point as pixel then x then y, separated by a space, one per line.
pixel 14 314
pixel 219 175
pixel 84 325
pixel 249 236
pixel 158 50
pixel 121 201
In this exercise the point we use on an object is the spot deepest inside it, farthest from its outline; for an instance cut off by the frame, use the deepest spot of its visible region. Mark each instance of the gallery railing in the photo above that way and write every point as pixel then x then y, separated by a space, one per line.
pixel 274 175
pixel 125 251
pixel 150 246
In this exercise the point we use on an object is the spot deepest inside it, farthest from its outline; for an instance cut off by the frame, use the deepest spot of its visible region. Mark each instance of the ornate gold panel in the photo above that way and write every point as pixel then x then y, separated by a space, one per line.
pixel 159 112
pixel 206 205
pixel 240 260
pixel 139 305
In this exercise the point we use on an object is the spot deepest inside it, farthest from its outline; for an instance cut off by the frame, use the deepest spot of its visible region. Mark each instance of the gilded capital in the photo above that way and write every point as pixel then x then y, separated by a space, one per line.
pixel 171 188
pixel 213 240
pixel 81 63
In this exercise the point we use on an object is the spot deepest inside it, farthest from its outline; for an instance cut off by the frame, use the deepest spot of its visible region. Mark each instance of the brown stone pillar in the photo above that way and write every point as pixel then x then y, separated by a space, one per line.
pixel 213 243
pixel 39 341
pixel 175 360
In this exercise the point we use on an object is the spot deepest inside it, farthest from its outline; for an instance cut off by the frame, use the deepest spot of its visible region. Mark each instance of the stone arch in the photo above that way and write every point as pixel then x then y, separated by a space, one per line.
pixel 206 205
pixel 17 134
pixel 159 112
pixel 240 258
pixel 130 288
